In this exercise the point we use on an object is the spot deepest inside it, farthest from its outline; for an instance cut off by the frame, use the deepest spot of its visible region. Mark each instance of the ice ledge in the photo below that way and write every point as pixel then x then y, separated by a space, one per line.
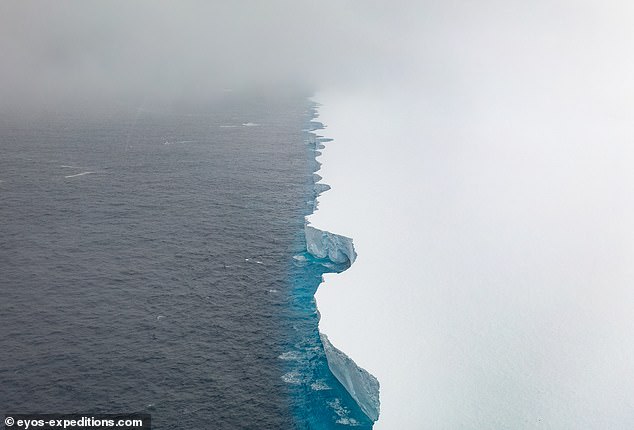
pixel 362 386
pixel 323 244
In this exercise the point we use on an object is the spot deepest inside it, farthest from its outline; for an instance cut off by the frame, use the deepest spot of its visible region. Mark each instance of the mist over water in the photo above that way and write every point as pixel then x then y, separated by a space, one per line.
pixel 67 52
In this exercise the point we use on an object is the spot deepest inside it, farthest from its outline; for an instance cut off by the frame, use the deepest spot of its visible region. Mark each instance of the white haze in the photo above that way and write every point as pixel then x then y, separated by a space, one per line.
pixel 482 163
pixel 68 52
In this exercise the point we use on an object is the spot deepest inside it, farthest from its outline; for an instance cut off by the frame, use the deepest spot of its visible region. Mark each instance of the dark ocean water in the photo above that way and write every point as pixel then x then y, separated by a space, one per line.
pixel 152 259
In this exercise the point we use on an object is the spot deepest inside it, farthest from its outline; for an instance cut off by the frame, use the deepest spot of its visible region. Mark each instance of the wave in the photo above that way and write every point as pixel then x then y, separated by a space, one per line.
pixel 79 174
pixel 167 142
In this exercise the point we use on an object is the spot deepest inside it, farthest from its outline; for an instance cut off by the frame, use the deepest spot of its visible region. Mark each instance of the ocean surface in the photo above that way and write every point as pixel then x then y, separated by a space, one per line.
pixel 153 259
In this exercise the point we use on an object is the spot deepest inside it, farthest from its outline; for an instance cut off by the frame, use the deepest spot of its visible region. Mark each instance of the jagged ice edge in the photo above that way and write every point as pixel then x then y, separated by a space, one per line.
pixel 362 386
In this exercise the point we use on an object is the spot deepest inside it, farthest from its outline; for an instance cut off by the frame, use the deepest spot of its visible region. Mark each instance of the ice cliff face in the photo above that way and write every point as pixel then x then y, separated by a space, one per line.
pixel 362 386
pixel 323 244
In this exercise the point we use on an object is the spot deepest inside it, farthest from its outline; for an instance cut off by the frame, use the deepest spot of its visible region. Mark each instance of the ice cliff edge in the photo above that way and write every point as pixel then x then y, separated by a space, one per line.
pixel 362 386
pixel 337 253
pixel 323 244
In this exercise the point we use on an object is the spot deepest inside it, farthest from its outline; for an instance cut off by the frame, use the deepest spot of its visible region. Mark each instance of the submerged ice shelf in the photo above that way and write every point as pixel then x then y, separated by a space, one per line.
pixel 339 251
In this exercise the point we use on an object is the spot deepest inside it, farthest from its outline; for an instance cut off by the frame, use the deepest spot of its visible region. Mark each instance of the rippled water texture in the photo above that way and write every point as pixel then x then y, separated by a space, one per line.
pixel 147 265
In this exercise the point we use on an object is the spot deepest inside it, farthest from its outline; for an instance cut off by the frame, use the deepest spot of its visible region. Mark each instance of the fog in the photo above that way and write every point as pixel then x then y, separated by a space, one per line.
pixel 482 162
pixel 69 51
pixel 66 51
